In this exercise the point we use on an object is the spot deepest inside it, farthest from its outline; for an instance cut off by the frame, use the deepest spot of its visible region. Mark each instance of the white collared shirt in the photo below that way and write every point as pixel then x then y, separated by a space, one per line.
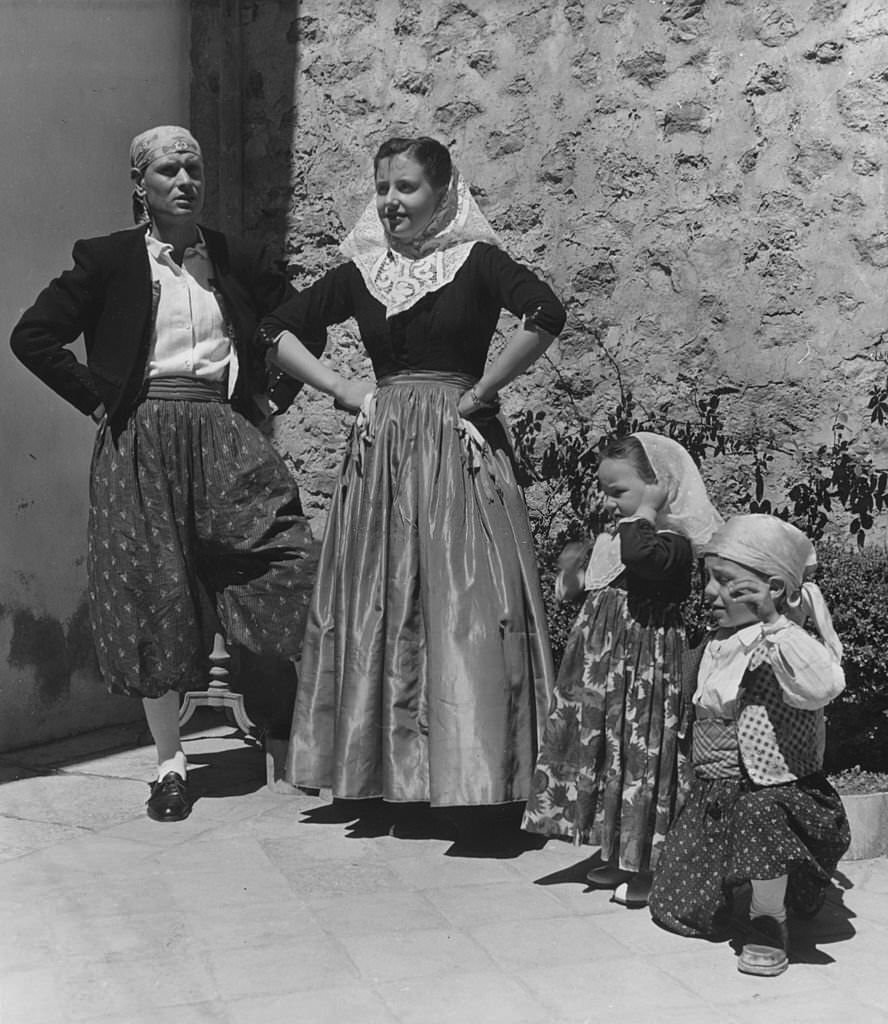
pixel 190 336
pixel 809 676
pixel 721 670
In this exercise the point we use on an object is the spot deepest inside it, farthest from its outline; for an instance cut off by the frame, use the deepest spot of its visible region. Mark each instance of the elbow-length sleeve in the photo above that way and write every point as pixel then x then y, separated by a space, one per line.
pixel 654 555
pixel 806 672
pixel 64 310
pixel 520 290
pixel 308 313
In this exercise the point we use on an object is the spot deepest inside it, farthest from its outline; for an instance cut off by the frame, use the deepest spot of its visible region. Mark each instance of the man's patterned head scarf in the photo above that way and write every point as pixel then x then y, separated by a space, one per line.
pixel 154 143
pixel 149 146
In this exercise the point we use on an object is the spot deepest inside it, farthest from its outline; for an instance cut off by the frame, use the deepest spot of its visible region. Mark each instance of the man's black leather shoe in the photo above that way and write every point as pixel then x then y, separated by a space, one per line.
pixel 169 799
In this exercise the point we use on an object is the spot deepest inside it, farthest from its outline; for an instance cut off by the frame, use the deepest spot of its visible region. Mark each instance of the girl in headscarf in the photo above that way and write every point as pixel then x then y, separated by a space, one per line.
pixel 426 668
pixel 760 809
pixel 608 771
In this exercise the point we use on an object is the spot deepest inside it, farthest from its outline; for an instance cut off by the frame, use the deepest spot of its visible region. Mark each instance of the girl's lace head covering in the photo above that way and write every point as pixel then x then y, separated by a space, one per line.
pixel 399 274
pixel 772 547
pixel 687 510
pixel 149 146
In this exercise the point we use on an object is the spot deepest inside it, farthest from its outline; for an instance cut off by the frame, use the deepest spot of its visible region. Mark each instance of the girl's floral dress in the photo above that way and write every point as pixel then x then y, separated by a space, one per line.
pixel 609 770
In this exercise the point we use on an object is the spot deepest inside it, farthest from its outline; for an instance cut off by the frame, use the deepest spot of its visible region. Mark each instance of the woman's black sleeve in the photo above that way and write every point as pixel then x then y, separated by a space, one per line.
pixel 519 289
pixel 308 313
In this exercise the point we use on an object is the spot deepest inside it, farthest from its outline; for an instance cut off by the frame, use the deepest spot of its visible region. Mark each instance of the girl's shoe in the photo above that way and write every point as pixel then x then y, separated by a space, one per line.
pixel 608 876
pixel 764 949
pixel 635 892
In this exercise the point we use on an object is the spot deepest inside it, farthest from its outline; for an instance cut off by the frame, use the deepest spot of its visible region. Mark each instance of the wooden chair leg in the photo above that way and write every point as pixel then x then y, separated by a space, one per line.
pixel 218 693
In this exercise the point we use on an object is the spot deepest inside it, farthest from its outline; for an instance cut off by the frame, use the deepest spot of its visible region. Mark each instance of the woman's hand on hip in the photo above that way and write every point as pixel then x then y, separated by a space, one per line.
pixel 470 404
pixel 350 394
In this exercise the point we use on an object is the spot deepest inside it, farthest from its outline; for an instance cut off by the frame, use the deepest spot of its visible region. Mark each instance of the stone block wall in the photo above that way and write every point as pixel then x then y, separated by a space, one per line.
pixel 702 181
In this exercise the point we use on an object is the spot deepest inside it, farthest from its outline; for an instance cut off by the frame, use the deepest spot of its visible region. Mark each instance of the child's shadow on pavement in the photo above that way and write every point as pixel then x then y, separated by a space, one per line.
pixel 831 924
pixel 574 873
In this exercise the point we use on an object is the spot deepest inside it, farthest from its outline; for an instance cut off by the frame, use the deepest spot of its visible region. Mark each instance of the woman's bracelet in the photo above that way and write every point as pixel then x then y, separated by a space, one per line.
pixel 529 320
pixel 480 402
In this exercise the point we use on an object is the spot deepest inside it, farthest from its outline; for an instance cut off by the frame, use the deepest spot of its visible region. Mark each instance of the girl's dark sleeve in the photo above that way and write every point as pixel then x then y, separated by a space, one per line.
pixel 519 290
pixel 654 556
pixel 308 313
pixel 66 308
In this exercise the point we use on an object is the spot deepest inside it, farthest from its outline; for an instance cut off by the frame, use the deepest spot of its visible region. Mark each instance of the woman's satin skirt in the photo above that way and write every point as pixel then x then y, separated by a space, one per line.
pixel 426 669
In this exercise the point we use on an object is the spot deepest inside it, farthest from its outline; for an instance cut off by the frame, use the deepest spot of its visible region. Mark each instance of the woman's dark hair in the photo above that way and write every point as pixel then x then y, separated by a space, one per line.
pixel 631 450
pixel 432 156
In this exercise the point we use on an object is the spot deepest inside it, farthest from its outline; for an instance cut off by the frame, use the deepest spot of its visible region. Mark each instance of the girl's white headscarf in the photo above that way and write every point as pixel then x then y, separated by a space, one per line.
pixel 687 510
pixel 773 547
pixel 399 279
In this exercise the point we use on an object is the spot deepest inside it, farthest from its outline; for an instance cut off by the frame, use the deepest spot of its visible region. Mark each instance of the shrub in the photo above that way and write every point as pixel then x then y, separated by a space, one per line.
pixel 855 585
pixel 836 489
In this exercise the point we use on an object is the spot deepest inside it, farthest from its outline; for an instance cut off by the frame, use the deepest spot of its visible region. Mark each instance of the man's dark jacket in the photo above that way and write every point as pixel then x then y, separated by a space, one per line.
pixel 108 298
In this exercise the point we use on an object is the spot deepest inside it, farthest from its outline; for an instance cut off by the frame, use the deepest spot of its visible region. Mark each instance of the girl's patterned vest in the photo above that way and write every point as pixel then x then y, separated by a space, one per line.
pixel 778 743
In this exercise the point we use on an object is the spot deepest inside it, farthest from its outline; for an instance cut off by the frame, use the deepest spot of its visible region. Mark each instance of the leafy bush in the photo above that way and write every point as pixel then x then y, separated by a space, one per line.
pixel 836 488
pixel 564 502
pixel 851 781
pixel 855 585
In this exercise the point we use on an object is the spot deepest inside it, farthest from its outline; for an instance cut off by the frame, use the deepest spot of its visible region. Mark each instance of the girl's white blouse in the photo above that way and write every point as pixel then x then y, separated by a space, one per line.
pixel 806 672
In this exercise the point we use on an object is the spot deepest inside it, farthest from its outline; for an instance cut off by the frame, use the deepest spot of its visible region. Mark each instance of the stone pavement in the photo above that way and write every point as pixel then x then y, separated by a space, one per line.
pixel 264 907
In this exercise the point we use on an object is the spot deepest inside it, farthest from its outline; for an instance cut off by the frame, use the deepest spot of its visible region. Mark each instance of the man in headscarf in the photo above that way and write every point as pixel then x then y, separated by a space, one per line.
pixel 188 499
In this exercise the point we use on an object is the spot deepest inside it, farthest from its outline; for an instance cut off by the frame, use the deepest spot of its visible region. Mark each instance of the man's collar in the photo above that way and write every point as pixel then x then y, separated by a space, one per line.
pixel 157 248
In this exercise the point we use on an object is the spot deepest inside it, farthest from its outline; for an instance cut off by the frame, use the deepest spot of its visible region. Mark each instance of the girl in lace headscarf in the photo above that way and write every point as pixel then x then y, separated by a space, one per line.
pixel 608 770
pixel 426 668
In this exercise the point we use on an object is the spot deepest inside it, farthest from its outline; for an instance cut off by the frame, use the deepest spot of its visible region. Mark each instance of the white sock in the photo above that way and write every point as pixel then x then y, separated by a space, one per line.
pixel 176 764
pixel 768 898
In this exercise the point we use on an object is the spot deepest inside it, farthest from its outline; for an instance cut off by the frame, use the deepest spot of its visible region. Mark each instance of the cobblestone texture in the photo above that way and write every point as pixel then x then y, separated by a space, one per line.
pixel 268 907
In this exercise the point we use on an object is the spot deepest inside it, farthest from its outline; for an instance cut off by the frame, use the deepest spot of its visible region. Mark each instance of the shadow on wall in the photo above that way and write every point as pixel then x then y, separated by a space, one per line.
pixel 51 651
pixel 243 71
pixel 51 685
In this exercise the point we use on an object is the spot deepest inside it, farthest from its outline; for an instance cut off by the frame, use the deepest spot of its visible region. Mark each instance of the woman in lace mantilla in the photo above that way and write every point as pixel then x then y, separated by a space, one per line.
pixel 426 668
